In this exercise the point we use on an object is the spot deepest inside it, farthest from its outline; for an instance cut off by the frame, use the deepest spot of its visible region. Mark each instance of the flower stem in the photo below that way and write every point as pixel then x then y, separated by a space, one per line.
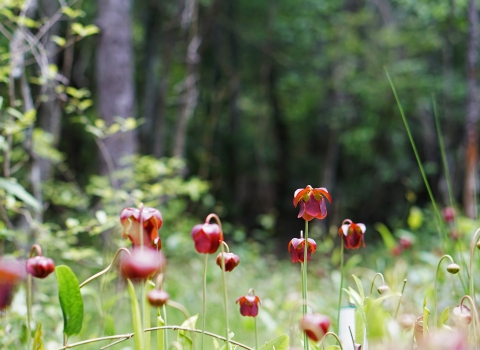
pixel 304 283
pixel 400 300
pixel 476 323
pixel 435 287
pixel 341 285
pixel 204 301
pixel 322 341
pixel 29 310
pixel 165 333
pixel 225 297
pixel 472 251
pixel 256 333
pixel 373 281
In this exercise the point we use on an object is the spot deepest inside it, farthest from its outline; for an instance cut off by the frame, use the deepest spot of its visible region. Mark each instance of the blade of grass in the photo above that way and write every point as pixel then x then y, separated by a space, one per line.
pixel 446 242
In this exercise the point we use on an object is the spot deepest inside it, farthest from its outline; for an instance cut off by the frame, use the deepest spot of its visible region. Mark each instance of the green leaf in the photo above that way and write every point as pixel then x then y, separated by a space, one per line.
pixel 279 343
pixel 444 317
pixel 37 340
pixel 387 236
pixel 71 300
pixel 359 286
pixel 58 40
pixel 14 188
pixel 183 337
pixel 136 317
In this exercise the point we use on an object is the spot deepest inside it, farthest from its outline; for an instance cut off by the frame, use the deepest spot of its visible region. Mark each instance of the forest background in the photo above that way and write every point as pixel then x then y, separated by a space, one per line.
pixel 199 106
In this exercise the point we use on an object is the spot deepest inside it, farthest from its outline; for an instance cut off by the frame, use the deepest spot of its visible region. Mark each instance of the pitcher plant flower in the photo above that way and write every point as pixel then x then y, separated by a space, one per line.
pixel 249 305
pixel 143 219
pixel 352 234
pixel 296 248
pixel 231 260
pixel 315 326
pixel 40 266
pixel 11 272
pixel 312 203
pixel 142 263
pixel 207 237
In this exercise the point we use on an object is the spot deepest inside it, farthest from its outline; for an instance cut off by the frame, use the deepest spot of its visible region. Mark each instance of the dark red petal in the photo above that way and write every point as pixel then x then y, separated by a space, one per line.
pixel 323 210
pixel 254 310
pixel 302 209
pixel 312 206
pixel 244 309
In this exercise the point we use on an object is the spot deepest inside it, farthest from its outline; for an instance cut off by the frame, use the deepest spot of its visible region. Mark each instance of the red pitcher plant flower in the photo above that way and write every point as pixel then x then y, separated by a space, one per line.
pixel 207 237
pixel 315 326
pixel 249 304
pixel 134 219
pixel 352 234
pixel 40 266
pixel 11 272
pixel 231 260
pixel 312 204
pixel 296 248
pixel 142 263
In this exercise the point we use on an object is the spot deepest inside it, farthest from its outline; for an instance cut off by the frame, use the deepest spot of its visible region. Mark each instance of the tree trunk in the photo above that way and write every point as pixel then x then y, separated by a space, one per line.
pixel 115 77
pixel 471 156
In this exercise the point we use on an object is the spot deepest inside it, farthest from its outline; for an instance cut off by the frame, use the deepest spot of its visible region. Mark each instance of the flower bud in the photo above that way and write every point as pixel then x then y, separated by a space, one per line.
pixel 453 268
pixel 157 297
pixel 142 263
pixel 462 315
pixel 207 238
pixel 249 305
pixel 383 289
pixel 40 266
pixel 231 261
pixel 478 245
pixel 406 321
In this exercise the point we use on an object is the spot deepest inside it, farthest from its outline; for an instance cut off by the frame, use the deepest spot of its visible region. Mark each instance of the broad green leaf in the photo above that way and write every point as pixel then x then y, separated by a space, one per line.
pixel 17 190
pixel 136 317
pixel 444 317
pixel 359 286
pixel 183 338
pixel 37 340
pixel 279 343
pixel 71 300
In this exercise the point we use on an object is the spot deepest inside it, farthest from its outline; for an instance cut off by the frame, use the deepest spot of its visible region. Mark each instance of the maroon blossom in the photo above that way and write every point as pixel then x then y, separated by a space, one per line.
pixel 149 218
pixel 315 326
pixel 448 214
pixel 249 305
pixel 40 266
pixel 157 297
pixel 207 237
pixel 296 248
pixel 352 234
pixel 231 261
pixel 11 272
pixel 312 204
pixel 142 263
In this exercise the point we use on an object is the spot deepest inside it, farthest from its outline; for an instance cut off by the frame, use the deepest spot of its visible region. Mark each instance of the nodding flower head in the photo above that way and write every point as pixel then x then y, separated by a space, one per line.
pixel 40 266
pixel 312 203
pixel 352 234
pixel 207 237
pixel 231 261
pixel 11 272
pixel 140 220
pixel 157 297
pixel 315 326
pixel 296 248
pixel 142 263
pixel 249 305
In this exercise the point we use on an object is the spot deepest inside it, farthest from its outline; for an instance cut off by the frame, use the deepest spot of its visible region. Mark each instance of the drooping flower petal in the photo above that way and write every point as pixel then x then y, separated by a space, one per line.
pixel 324 192
pixel 298 195
pixel 312 206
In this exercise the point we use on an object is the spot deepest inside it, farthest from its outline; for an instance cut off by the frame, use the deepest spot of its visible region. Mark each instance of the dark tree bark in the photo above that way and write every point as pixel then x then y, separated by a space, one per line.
pixel 115 76
pixel 469 190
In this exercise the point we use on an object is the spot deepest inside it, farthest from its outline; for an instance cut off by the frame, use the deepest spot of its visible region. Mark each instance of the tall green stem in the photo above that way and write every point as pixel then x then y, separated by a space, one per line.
pixel 256 333
pixel 435 287
pixel 29 309
pixel 472 251
pixel 304 283
pixel 165 333
pixel 227 337
pixel 341 285
pixel 204 297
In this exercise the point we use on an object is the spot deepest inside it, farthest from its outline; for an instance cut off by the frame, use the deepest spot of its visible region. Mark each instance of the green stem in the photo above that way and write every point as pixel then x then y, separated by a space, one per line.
pixel 400 300
pixel 322 341
pixel 256 333
pixel 227 338
pixel 29 310
pixel 472 251
pixel 165 333
pixel 373 281
pixel 341 284
pixel 204 301
pixel 304 283
pixel 435 287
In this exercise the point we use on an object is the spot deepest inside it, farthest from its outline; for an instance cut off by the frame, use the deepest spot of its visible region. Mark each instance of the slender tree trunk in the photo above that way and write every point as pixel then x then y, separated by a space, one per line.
pixel 469 190
pixel 191 93
pixel 115 76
